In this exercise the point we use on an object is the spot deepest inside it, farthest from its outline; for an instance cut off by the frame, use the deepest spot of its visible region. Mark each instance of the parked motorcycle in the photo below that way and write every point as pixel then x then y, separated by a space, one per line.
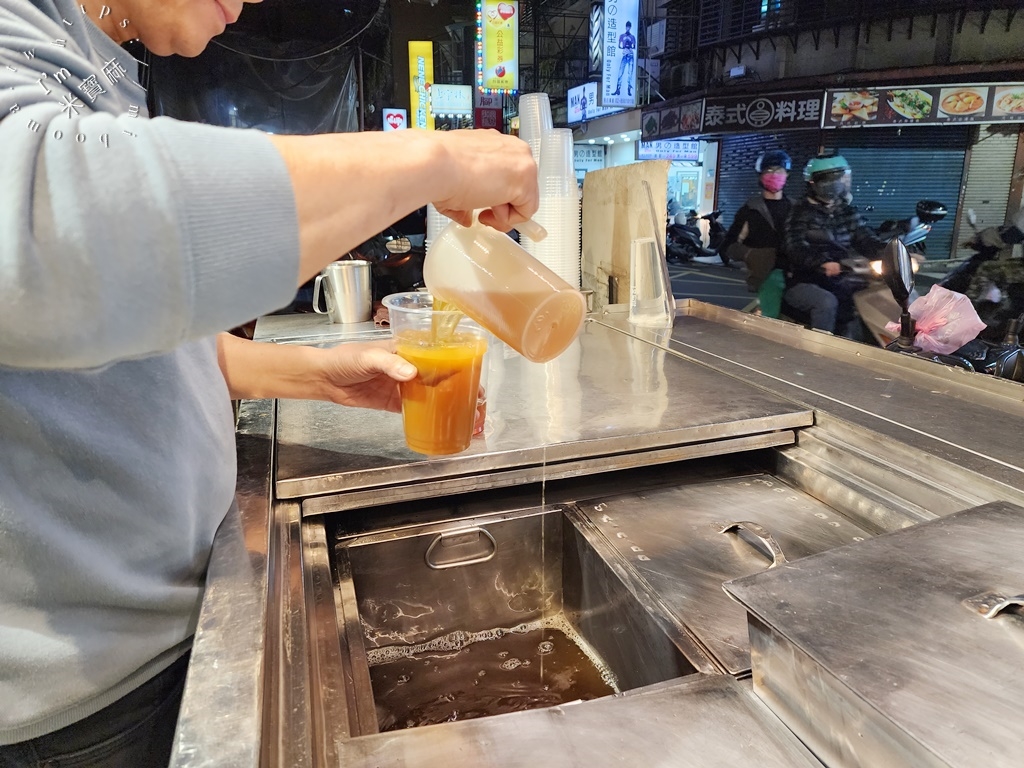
pixel 913 231
pixel 685 243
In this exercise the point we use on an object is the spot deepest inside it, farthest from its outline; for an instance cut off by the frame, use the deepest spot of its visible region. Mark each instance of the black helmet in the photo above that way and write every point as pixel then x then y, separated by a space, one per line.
pixel 773 158
pixel 931 211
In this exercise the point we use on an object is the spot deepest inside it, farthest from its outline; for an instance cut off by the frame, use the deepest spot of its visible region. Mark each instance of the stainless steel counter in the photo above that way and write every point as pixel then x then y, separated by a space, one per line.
pixel 309 328
pixel 970 420
pixel 606 402
pixel 893 442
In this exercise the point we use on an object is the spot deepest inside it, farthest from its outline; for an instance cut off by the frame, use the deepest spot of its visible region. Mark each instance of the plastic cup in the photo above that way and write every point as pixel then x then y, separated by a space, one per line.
pixel 498 284
pixel 440 406
pixel 534 120
pixel 650 298
pixel 555 169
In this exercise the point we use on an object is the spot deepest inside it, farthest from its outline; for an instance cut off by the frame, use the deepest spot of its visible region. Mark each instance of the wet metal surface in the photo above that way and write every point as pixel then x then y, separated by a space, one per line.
pixel 673 538
pixel 608 394
pixel 875 654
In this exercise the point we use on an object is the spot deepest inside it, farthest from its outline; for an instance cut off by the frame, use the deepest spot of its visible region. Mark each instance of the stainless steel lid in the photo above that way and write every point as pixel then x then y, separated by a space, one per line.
pixel 704 721
pixel 922 625
pixel 685 541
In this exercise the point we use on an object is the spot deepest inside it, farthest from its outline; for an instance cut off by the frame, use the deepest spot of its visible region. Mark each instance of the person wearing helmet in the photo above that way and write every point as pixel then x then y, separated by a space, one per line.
pixel 822 230
pixel 997 286
pixel 756 234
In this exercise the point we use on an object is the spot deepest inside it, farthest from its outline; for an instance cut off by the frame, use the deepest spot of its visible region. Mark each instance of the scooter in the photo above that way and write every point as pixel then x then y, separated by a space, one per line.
pixel 1003 359
pixel 875 303
pixel 877 307
pixel 686 243
pixel 913 231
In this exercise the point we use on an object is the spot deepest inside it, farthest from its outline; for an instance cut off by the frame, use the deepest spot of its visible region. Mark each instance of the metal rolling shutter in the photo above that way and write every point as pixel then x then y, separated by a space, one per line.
pixel 894 168
pixel 987 187
pixel 736 178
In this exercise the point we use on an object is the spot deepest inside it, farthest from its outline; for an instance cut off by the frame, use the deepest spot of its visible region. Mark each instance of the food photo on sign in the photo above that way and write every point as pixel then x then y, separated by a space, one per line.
pixel 962 102
pixel 689 117
pixel 909 103
pixel 650 125
pixel 854 107
pixel 1009 102
pixel 669 121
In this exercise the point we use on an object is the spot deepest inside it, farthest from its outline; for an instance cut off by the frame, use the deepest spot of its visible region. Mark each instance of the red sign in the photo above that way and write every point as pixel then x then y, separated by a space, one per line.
pixel 394 119
pixel 484 117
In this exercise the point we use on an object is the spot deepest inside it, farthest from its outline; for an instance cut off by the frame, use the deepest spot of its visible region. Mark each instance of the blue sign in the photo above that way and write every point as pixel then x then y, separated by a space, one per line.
pixel 618 72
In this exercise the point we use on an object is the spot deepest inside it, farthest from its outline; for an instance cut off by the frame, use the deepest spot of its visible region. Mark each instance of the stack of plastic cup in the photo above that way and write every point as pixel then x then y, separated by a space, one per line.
pixel 559 211
pixel 435 223
pixel 534 120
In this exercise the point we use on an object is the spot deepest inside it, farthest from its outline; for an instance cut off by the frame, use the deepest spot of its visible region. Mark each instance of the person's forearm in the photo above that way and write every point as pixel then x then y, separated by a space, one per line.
pixel 348 187
pixel 867 243
pixel 255 370
pixel 343 200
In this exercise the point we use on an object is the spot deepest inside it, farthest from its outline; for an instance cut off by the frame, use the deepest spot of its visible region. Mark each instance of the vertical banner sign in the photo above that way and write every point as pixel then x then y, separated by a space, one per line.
pixel 488 112
pixel 421 76
pixel 618 72
pixel 498 46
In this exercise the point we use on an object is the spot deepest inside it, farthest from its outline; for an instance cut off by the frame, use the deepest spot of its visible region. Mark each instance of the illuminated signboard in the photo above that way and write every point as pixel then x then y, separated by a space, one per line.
pixel 582 103
pixel 451 99
pixel 497 46
pixel 924 105
pixel 618 69
pixel 668 150
pixel 421 76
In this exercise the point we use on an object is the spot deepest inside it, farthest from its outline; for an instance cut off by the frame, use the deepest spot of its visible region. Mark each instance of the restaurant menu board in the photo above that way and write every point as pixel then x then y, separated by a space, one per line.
pixel 925 105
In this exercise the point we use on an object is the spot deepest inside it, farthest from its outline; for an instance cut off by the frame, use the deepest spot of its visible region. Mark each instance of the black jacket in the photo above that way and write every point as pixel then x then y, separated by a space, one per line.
pixel 816 234
pixel 760 249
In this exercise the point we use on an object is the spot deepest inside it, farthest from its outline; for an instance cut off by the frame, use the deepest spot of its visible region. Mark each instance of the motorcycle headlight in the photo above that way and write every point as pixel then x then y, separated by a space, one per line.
pixel 876 267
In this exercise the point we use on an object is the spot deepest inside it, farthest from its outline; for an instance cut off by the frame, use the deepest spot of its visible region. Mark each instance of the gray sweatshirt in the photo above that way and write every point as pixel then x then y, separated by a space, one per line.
pixel 125 244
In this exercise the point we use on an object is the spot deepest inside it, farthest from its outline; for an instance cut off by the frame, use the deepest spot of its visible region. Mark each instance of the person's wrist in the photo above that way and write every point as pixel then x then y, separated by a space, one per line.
pixel 317 374
pixel 440 164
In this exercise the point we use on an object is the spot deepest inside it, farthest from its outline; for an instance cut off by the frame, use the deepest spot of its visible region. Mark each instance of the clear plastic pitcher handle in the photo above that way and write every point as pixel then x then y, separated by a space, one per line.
pixel 532 230
pixel 529 228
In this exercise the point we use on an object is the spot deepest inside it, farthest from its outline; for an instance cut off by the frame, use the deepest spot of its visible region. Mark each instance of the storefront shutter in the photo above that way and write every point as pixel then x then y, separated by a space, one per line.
pixel 736 178
pixel 988 181
pixel 894 168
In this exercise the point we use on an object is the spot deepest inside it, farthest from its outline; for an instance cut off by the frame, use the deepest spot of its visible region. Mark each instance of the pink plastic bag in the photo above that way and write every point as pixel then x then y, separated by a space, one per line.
pixel 946 320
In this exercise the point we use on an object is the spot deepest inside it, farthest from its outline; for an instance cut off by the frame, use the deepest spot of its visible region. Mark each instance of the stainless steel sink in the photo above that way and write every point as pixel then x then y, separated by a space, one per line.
pixel 501 613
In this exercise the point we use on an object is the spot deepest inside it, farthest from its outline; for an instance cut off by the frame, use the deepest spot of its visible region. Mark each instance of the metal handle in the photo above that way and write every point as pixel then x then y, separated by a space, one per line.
pixel 762 534
pixel 446 539
pixel 991 604
pixel 316 295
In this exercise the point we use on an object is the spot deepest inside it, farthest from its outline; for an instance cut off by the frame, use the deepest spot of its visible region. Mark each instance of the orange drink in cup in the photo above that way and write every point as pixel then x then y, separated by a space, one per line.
pixel 439 406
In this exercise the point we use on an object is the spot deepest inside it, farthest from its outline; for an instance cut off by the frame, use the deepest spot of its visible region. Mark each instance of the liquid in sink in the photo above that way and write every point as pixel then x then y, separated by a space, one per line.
pixel 466 675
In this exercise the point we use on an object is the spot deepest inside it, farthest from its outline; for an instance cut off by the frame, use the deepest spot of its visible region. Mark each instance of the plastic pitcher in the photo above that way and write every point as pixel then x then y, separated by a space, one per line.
pixel 494 281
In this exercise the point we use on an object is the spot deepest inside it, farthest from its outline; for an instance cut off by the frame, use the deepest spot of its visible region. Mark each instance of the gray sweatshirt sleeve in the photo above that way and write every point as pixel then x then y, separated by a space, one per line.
pixel 120 236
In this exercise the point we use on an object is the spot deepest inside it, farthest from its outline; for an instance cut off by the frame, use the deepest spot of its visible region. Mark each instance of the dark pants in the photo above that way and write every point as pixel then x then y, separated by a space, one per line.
pixel 136 731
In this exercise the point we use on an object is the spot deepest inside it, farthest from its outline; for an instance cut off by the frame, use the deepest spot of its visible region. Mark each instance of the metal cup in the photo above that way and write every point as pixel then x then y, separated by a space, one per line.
pixel 346 289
